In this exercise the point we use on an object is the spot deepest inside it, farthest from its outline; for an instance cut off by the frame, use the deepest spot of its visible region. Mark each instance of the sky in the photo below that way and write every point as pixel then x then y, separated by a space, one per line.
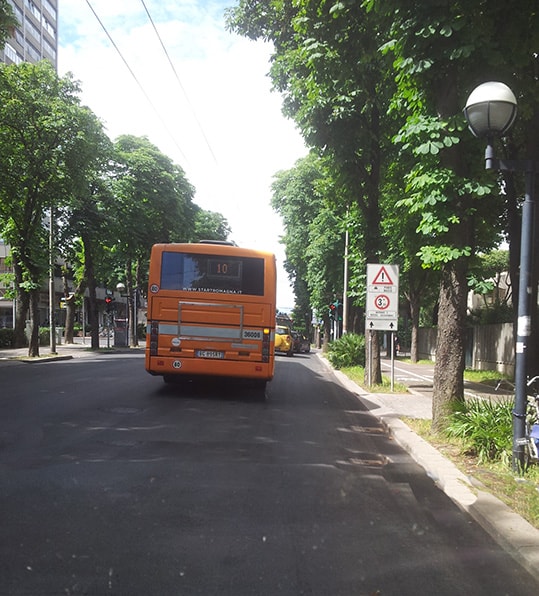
pixel 208 105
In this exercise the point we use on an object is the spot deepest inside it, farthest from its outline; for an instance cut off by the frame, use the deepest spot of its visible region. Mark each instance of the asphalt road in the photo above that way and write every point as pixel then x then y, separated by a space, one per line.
pixel 113 483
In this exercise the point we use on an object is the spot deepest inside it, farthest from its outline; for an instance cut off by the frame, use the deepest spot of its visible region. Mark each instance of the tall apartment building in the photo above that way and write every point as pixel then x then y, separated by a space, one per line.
pixel 36 36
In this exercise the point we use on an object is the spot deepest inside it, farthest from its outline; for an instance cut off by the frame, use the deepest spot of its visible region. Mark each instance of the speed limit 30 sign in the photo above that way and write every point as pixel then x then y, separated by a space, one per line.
pixel 382 302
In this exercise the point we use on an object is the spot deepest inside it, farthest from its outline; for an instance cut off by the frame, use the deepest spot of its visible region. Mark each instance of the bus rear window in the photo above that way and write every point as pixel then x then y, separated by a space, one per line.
pixel 212 273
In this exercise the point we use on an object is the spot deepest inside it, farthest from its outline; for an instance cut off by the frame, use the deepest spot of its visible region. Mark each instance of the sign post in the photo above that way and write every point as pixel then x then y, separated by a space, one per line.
pixel 382 308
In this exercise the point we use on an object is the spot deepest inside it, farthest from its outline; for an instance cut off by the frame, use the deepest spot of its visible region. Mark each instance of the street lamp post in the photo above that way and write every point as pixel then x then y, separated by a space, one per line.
pixel 491 111
pixel 52 291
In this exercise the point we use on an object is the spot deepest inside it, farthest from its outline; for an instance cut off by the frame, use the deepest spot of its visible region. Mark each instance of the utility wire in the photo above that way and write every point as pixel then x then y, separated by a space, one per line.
pixel 179 82
pixel 136 79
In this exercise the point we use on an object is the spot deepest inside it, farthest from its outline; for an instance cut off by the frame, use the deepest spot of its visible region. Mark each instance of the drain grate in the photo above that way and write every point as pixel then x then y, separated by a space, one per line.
pixel 370 430
pixel 371 460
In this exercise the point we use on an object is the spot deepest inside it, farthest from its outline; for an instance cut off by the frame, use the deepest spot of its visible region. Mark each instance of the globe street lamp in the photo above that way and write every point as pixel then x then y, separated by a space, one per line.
pixel 491 111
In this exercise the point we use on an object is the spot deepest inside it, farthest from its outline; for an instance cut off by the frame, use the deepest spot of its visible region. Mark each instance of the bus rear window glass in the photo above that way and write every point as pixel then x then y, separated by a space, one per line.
pixel 212 273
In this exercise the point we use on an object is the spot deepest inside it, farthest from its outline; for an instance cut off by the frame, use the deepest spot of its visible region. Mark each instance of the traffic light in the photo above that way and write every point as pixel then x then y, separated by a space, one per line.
pixel 109 303
pixel 338 310
pixel 332 311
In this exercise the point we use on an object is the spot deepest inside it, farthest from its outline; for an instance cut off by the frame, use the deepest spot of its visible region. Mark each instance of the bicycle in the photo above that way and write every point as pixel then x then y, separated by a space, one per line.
pixel 530 440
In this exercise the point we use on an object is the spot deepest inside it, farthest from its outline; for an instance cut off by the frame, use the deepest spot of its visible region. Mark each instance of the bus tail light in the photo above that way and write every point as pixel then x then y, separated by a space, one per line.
pixel 266 345
pixel 154 337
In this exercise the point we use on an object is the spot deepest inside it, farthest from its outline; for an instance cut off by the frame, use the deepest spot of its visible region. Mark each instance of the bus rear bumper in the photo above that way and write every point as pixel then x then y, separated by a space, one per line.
pixel 198 367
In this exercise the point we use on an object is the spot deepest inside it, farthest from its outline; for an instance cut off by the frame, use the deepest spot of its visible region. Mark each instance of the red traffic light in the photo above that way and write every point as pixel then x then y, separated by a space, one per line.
pixel 108 299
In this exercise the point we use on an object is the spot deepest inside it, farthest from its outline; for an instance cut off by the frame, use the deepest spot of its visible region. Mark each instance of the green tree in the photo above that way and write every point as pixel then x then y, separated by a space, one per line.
pixel 441 52
pixel 379 82
pixel 153 203
pixel 336 87
pixel 313 238
pixel 210 225
pixel 88 219
pixel 418 285
pixel 7 22
pixel 488 278
pixel 39 125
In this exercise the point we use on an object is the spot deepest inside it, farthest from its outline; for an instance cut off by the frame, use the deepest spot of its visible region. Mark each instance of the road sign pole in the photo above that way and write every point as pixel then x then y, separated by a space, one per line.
pixel 369 369
pixel 392 361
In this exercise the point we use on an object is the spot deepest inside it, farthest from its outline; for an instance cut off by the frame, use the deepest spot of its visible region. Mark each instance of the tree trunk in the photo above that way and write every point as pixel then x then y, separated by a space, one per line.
pixel 414 319
pixel 448 384
pixel 21 313
pixel 357 319
pixel 327 333
pixel 69 303
pixel 70 319
pixel 33 347
pixel 417 280
pixel 373 363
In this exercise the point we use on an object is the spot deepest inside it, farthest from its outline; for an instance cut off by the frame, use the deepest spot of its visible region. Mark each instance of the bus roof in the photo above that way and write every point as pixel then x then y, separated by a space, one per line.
pixel 211 248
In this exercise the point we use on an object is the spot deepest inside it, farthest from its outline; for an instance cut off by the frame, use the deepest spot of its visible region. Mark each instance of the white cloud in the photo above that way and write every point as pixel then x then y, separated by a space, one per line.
pixel 228 133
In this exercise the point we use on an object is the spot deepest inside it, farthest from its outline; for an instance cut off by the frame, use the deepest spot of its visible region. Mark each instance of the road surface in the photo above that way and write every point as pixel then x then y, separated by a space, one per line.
pixel 112 482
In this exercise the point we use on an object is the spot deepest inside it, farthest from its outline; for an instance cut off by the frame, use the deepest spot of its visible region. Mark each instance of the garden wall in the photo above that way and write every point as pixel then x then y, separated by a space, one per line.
pixel 488 347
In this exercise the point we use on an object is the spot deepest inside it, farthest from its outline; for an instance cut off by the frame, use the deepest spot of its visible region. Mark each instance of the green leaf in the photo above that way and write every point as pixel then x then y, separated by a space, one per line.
pixel 336 9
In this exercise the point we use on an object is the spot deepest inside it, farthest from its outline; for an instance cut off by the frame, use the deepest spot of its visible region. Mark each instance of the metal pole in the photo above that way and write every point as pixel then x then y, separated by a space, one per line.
pixel 369 375
pixel 83 320
pixel 392 361
pixel 135 316
pixel 52 297
pixel 523 322
pixel 108 316
pixel 345 290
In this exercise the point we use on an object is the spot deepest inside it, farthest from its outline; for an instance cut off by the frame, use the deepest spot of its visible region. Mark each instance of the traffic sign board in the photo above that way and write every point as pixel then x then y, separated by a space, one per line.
pixel 382 311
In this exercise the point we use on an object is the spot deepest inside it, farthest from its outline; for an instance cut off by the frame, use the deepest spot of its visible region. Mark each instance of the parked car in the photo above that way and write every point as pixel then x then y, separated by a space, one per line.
pixel 284 342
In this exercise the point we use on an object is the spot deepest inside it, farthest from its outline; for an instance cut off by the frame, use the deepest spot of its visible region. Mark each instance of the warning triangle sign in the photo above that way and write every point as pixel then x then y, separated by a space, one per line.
pixel 382 278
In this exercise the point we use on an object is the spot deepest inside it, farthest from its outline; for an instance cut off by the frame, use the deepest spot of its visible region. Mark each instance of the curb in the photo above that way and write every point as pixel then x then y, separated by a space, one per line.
pixel 516 536
pixel 40 359
pixel 69 354
pixel 511 531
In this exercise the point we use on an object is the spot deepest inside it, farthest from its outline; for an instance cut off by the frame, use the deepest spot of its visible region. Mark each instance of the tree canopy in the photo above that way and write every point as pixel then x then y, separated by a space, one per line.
pixel 378 87
pixel 101 204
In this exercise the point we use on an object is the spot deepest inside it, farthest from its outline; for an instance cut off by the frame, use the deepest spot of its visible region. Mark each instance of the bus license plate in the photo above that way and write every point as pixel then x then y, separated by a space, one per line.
pixel 209 354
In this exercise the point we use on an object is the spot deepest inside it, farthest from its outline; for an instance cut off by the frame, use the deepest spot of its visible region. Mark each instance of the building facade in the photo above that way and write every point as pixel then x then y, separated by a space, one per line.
pixel 36 36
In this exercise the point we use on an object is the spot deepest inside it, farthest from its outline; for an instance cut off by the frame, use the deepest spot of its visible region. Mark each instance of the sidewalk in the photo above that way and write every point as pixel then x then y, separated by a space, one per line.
pixel 519 538
pixel 80 349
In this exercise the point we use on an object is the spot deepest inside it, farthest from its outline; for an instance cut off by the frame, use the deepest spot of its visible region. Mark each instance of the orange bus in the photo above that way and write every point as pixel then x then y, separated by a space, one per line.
pixel 211 312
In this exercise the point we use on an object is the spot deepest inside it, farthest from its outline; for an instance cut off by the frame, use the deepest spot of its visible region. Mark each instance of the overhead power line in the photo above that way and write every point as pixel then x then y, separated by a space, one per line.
pixel 165 126
pixel 179 81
